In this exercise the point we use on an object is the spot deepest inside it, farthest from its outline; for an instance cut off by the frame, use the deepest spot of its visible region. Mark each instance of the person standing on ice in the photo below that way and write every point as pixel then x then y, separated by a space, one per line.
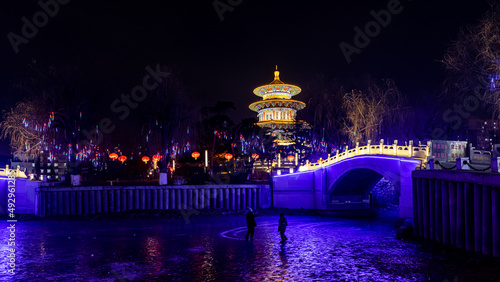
pixel 282 227
pixel 250 223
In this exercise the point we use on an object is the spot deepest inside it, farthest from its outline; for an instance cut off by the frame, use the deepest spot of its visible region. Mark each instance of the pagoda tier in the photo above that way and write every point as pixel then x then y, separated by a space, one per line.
pixel 277 110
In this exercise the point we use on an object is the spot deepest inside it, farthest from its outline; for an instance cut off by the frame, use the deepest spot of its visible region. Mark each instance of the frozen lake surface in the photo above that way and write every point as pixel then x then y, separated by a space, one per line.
pixel 214 249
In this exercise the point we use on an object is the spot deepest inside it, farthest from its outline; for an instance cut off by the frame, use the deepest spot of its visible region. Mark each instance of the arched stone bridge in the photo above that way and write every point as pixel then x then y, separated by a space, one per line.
pixel 345 180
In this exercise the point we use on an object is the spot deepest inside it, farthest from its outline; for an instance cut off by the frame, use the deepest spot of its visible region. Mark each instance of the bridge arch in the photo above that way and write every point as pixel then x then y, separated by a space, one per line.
pixel 352 176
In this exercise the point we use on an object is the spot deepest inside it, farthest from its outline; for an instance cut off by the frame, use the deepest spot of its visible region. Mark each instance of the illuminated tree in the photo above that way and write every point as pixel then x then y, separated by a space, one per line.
pixel 366 111
pixel 473 60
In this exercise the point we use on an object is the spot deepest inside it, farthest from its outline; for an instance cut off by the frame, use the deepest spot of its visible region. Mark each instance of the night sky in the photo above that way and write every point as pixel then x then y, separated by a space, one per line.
pixel 113 42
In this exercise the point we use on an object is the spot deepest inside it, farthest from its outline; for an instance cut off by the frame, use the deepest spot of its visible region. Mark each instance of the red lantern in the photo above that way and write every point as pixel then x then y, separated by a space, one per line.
pixel 291 158
pixel 145 159
pixel 156 157
pixel 122 159
pixel 255 156
pixel 320 160
pixel 195 155
pixel 113 156
pixel 228 156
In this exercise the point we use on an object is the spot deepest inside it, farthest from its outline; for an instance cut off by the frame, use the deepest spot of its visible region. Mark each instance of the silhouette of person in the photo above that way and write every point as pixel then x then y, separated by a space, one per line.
pixel 250 223
pixel 282 227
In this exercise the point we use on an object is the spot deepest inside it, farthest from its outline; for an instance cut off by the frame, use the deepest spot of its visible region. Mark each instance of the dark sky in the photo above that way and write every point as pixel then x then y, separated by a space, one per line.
pixel 114 41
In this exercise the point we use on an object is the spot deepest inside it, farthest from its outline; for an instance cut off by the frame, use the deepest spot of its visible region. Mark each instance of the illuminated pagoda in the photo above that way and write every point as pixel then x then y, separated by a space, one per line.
pixel 277 110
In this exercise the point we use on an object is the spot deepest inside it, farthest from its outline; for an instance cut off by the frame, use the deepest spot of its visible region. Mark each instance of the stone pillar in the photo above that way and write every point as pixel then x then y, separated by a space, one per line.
pixel 142 199
pixel 60 203
pixel 92 202
pixel 48 206
pixel 460 215
pixel 196 198
pixel 438 217
pixel 487 221
pixel 72 198
pixel 160 198
pixel 469 216
pixel 124 200
pixel 130 199
pixel 118 203
pixel 184 199
pixel 111 199
pixel 105 202
pixel 178 199
pixel 254 198
pixel 226 198
pixel 173 200
pixel 420 207
pixel 478 217
pixel 154 199
pixel 54 203
pixel 148 199
pixel 243 198
pixel 446 211
pixel 137 199
pixel 432 209
pixel 41 205
pixel 202 198
pixel 190 199
pixel 66 202
pixel 233 198
pixel 79 202
pixel 453 212
pixel 220 198
pixel 495 205
pixel 416 215
pixel 426 207
pixel 166 199
pixel 238 198
pixel 86 202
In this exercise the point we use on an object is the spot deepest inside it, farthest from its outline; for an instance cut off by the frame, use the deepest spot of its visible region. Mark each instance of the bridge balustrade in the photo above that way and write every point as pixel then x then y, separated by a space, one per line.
pixel 416 152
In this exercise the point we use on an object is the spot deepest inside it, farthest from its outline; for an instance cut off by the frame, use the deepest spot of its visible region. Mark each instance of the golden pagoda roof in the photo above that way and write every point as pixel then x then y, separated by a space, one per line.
pixel 283 90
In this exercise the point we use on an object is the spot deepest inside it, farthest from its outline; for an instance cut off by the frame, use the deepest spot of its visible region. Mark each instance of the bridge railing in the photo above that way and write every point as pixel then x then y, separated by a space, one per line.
pixel 13 172
pixel 409 151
